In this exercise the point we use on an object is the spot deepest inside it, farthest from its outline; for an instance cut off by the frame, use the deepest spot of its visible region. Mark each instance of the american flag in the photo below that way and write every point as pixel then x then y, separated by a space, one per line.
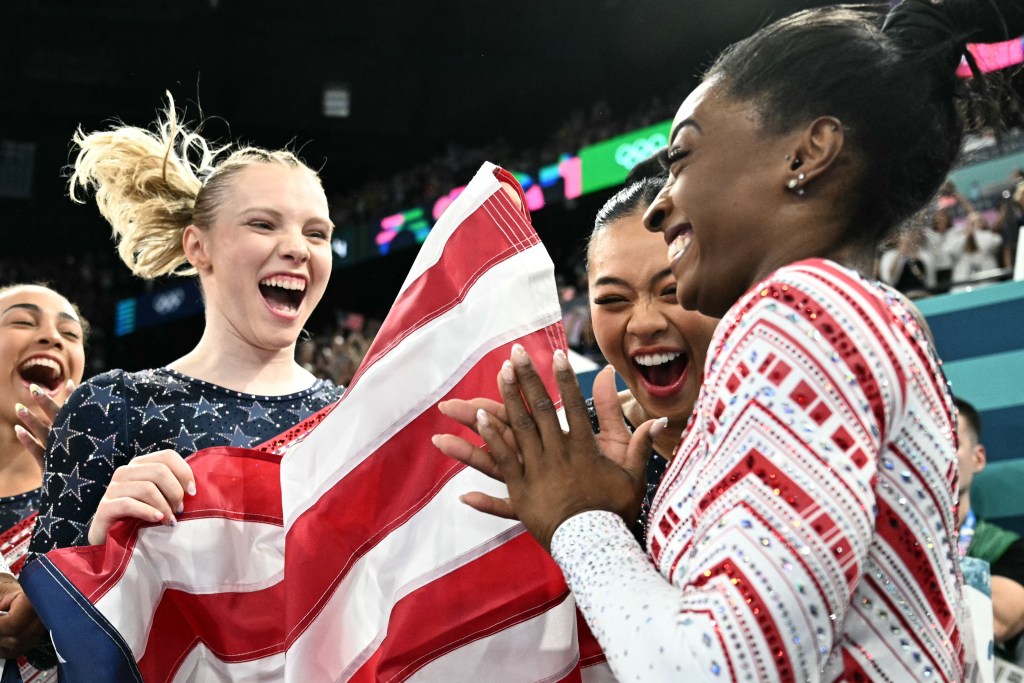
pixel 340 551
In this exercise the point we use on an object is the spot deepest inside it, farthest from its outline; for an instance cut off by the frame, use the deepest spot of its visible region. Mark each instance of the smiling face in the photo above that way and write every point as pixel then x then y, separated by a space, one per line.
pixel 656 346
pixel 265 262
pixel 41 342
pixel 727 182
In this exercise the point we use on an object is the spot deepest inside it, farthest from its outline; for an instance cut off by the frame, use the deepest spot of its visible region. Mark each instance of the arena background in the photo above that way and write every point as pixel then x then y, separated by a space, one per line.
pixel 397 103
pixel 423 78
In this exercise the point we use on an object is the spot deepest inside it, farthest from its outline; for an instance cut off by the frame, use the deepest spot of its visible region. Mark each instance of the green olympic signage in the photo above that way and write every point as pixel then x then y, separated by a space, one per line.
pixel 607 163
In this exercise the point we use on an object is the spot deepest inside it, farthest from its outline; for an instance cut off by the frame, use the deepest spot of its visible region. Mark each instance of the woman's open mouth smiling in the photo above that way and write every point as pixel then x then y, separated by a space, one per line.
pixel 44 371
pixel 678 239
pixel 663 373
pixel 283 293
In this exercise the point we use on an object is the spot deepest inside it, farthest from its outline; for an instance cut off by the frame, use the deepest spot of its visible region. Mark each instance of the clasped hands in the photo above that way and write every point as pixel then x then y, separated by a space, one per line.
pixel 551 474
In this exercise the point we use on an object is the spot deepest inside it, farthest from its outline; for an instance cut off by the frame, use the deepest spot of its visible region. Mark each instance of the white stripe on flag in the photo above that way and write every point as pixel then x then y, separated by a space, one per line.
pixel 417 373
pixel 546 645
pixel 355 619
pixel 482 186
pixel 202 666
pixel 204 556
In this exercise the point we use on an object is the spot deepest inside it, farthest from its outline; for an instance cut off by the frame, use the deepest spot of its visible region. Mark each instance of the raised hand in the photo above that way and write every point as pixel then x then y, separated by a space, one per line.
pixel 36 421
pixel 151 488
pixel 554 474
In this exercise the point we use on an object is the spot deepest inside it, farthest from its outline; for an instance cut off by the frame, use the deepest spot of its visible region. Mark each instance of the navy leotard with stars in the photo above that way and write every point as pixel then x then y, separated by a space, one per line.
pixel 119 415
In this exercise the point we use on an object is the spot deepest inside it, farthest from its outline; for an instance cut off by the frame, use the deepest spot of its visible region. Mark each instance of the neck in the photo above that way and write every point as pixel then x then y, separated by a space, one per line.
pixel 816 228
pixel 224 359
pixel 666 442
pixel 20 471
pixel 963 506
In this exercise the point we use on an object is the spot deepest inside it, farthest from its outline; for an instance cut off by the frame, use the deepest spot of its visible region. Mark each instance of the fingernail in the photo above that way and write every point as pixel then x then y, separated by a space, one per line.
pixel 482 419
pixel 441 405
pixel 181 508
pixel 560 361
pixel 35 390
pixel 171 521
pixel 519 356
pixel 21 409
pixel 658 426
pixel 507 374
pixel 159 517
pixel 70 384
pixel 20 431
pixel 191 488
pixel 435 438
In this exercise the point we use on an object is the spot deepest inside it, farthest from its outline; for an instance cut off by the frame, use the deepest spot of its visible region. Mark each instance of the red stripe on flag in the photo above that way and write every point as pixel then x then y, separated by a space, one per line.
pixel 247 489
pixel 493 233
pixel 236 627
pixel 469 603
pixel 376 500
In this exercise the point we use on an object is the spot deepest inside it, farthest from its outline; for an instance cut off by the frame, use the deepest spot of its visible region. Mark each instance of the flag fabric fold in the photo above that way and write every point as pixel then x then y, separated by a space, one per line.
pixel 340 550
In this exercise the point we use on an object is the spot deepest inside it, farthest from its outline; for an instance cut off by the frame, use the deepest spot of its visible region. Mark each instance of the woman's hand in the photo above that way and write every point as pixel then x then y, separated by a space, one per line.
pixel 20 627
pixel 151 488
pixel 34 430
pixel 553 475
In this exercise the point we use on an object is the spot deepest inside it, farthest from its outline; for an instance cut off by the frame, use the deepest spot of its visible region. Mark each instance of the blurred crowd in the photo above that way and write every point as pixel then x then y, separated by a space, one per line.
pixel 337 354
pixel 970 240
pixel 966 244
pixel 424 183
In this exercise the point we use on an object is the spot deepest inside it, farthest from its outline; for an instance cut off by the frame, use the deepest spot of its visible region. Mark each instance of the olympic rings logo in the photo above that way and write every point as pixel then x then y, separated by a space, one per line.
pixel 629 154
pixel 168 302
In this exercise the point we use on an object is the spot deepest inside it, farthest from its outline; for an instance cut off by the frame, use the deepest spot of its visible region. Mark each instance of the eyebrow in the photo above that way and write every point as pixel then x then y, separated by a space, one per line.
pixel 261 209
pixel 38 311
pixel 609 280
pixel 681 125
pixel 278 215
pixel 612 280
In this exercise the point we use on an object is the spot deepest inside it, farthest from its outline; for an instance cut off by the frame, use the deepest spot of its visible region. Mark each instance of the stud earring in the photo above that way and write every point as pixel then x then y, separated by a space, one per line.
pixel 794 183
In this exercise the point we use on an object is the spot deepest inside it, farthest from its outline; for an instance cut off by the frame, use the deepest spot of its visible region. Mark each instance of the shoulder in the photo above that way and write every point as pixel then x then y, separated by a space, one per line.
pixel 813 302
pixel 831 323
pixel 323 392
pixel 105 391
pixel 152 381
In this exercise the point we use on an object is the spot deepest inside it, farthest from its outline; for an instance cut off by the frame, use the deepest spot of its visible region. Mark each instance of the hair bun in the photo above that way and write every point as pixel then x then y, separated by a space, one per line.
pixel 988 21
pixel 948 25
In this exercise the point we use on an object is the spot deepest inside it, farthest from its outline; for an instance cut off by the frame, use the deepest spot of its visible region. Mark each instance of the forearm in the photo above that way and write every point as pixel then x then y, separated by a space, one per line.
pixel 1007 608
pixel 637 616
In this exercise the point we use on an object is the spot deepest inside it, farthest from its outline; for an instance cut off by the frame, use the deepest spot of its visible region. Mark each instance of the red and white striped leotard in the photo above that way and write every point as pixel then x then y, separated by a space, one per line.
pixel 805 529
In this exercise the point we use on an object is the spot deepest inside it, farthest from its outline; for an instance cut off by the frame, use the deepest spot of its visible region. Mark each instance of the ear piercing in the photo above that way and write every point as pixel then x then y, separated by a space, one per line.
pixel 794 183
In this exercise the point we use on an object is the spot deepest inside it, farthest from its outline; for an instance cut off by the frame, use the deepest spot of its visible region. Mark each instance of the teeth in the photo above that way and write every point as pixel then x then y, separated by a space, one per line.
pixel 651 359
pixel 678 246
pixel 285 282
pixel 45 362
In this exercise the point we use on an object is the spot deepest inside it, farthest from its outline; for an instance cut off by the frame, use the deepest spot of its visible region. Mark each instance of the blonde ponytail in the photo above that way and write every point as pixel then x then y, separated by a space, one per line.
pixel 149 188
pixel 146 187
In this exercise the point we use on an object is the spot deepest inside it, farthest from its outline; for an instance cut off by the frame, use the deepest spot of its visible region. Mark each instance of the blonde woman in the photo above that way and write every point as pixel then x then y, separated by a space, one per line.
pixel 253 225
